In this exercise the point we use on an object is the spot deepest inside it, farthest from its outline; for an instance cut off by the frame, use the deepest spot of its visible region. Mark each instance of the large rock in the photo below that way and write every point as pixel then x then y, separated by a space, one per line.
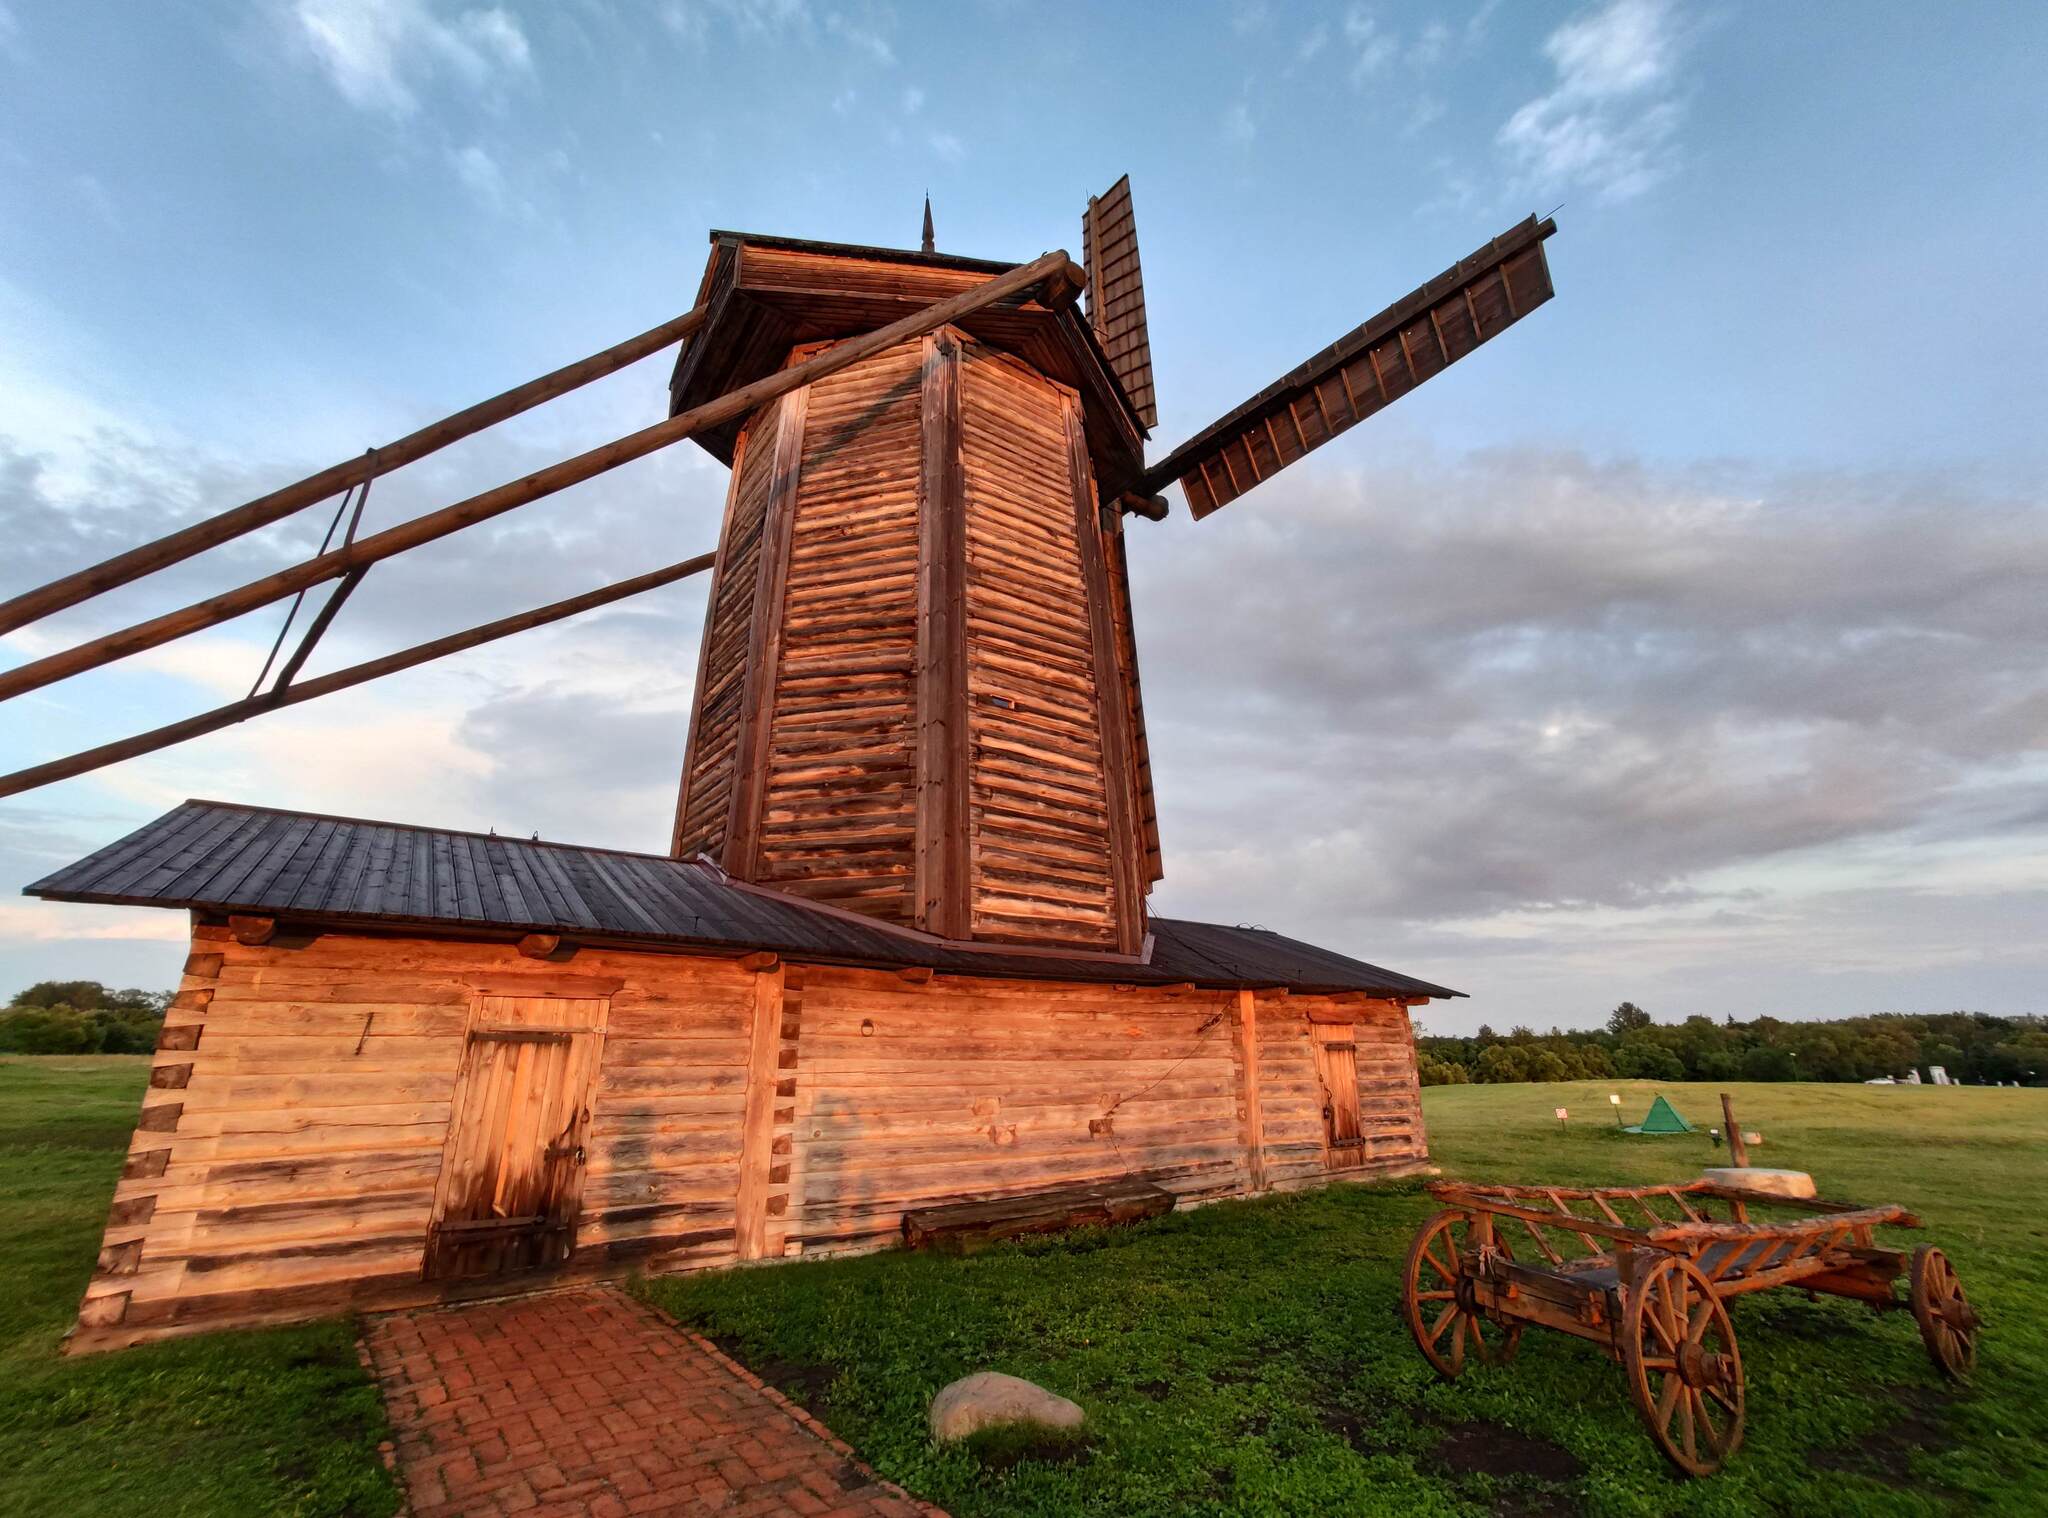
pixel 990 1399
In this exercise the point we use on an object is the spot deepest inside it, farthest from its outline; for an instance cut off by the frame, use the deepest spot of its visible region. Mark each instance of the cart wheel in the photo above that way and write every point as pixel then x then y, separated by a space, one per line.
pixel 1948 1325
pixel 1445 1328
pixel 1683 1368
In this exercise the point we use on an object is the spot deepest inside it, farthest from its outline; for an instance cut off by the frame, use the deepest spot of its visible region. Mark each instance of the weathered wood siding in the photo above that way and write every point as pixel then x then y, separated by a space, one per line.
pixel 1038 802
pixel 705 807
pixel 838 812
pixel 291 1140
pixel 968 1090
pixel 292 1137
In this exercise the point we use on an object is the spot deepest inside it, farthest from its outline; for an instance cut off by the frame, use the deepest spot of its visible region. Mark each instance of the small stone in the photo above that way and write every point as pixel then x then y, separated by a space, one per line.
pixel 990 1399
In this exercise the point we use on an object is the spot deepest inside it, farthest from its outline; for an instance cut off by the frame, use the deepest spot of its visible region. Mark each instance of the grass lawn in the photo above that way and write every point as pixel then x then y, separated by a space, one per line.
pixel 1250 1357
pixel 282 1421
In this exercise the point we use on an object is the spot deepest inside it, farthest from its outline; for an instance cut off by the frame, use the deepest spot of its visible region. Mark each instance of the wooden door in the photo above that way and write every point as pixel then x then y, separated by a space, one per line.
pixel 1337 1067
pixel 512 1171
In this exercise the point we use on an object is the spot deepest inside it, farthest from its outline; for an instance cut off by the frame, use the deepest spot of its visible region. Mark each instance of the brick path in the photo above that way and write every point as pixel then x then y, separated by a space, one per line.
pixel 591 1402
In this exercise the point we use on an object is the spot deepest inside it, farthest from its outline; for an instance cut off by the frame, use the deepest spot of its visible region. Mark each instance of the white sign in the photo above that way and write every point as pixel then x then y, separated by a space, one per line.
pixel 1562 1115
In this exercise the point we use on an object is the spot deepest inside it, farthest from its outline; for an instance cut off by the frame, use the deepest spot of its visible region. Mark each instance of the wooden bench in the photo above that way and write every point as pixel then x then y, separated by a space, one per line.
pixel 965 1227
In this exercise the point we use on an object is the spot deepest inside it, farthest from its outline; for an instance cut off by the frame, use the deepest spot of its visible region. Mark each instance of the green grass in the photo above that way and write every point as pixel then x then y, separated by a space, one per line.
pixel 281 1421
pixel 1250 1358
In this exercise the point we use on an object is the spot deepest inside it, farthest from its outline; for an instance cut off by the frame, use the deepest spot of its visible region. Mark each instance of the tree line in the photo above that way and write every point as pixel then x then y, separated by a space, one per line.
pixel 82 1017
pixel 1973 1047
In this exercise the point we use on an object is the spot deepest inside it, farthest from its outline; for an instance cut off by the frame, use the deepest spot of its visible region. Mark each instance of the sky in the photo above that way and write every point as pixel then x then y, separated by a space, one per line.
pixel 1688 645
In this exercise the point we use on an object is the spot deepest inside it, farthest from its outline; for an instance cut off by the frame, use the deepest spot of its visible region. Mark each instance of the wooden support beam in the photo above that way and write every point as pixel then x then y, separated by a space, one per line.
pixel 278 504
pixel 341 679
pixel 757 1125
pixel 943 906
pixel 1112 708
pixel 540 945
pixel 1153 508
pixel 1737 1149
pixel 253 931
pixel 761 961
pixel 492 503
pixel 1248 1068
pixel 916 975
pixel 740 852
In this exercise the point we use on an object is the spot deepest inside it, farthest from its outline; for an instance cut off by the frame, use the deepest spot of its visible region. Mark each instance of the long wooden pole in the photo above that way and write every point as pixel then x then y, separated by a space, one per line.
pixel 1054 267
pixel 341 679
pixel 174 547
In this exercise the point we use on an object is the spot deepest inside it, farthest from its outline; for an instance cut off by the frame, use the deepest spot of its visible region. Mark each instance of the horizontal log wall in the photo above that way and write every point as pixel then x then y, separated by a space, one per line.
pixel 1038 806
pixel 966 1090
pixel 838 819
pixel 292 1134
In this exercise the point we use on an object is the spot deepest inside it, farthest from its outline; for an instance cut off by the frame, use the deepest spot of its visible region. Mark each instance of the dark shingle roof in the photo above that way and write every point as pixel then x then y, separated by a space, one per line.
pixel 224 858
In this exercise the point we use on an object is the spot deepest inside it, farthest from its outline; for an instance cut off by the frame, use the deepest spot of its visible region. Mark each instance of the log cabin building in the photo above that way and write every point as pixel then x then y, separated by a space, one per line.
pixel 897 953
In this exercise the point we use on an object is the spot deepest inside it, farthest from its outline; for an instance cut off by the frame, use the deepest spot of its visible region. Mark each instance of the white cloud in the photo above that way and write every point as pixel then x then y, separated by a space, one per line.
pixel 1372 47
pixel 862 37
pixel 1238 126
pixel 948 147
pixel 691 19
pixel 379 53
pixel 480 175
pixel 913 101
pixel 1609 122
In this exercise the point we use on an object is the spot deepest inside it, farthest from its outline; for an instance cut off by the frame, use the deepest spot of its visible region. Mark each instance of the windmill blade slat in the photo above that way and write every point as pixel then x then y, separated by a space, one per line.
pixel 1375 364
pixel 1116 294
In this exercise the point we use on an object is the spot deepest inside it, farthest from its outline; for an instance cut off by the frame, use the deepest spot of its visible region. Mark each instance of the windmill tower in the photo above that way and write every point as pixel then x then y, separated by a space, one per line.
pixel 918 692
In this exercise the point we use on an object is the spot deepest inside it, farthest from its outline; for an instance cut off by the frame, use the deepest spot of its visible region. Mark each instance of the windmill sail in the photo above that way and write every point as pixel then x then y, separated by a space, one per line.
pixel 1116 294
pixel 1373 365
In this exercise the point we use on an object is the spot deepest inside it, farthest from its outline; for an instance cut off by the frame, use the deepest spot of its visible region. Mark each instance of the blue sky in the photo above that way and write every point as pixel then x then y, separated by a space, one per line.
pixel 1684 646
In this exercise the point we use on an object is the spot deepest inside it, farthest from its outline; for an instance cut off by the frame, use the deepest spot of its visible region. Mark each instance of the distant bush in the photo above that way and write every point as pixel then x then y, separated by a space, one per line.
pixel 1974 1047
pixel 82 1017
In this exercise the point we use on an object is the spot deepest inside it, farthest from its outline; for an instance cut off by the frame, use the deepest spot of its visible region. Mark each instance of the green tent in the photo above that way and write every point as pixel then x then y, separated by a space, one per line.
pixel 1663 1118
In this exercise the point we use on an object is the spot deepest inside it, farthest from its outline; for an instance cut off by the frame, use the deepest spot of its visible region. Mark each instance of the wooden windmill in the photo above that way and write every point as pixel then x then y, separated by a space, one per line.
pixel 895 977
pixel 918 693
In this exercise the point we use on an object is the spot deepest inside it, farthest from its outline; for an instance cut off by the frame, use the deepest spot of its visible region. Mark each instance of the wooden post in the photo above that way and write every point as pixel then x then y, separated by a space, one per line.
pixel 1248 1064
pixel 740 854
pixel 757 1127
pixel 1737 1150
pixel 278 504
pixel 341 679
pixel 491 503
pixel 1112 700
pixel 943 905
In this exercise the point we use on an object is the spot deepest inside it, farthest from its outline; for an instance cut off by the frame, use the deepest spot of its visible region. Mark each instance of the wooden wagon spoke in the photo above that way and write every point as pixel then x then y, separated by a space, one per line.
pixel 1702 1319
pixel 1441 1268
pixel 1703 1425
pixel 1435 1296
pixel 1685 1428
pixel 1444 1320
pixel 1667 1398
pixel 1734 1408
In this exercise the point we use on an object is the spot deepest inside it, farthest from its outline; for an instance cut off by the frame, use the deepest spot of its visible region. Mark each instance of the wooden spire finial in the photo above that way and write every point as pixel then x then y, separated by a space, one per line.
pixel 929 246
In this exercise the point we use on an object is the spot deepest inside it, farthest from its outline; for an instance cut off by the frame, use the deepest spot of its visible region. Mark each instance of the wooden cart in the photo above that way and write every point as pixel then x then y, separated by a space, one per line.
pixel 1653 1293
